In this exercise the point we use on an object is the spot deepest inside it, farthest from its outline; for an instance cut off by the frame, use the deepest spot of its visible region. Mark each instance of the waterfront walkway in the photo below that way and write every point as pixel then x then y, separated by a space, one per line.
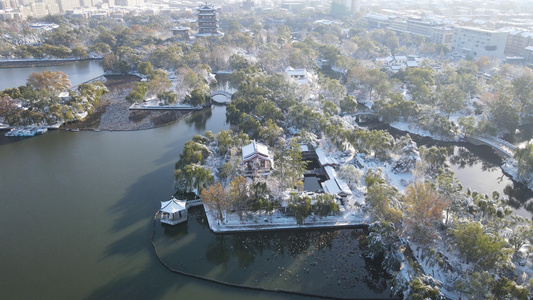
pixel 279 221
pixel 152 105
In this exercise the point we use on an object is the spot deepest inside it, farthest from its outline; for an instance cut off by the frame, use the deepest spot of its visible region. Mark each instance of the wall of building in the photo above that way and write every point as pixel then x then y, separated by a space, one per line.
pixel 478 42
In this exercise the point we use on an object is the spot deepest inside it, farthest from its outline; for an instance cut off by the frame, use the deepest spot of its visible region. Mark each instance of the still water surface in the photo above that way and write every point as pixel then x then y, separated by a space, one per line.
pixel 75 218
pixel 76 212
pixel 78 72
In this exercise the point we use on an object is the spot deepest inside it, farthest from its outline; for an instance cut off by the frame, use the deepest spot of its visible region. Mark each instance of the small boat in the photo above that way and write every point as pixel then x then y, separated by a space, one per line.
pixel 11 133
pixel 27 132
pixel 41 130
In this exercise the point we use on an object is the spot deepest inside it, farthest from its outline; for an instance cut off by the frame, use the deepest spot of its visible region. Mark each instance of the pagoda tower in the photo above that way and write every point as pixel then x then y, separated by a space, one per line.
pixel 207 20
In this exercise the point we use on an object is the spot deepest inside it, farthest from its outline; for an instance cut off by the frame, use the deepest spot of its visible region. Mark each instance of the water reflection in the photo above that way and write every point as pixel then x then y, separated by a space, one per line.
pixel 463 157
pixel 324 262
pixel 198 119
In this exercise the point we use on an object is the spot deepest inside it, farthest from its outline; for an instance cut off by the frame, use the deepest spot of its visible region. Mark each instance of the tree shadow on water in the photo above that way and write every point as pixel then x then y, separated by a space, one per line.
pixel 142 199
pixel 199 119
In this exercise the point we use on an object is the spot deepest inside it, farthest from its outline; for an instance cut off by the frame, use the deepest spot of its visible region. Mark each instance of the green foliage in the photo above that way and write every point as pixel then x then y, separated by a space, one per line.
pixel 270 133
pixel 225 140
pixel 145 67
pixel 378 141
pixel 330 109
pixel 419 81
pixel 100 48
pixel 289 166
pixel 524 159
pixel 192 178
pixel 138 93
pixel 521 233
pixel 467 124
pixel 197 98
pixel 485 250
pixel 503 113
pixel 348 104
pixel 325 205
pixel 450 99
pixel 382 198
pixel 300 206
pixel 419 290
pixel 193 153
pixel 434 157
pixel 505 288
pixel 168 97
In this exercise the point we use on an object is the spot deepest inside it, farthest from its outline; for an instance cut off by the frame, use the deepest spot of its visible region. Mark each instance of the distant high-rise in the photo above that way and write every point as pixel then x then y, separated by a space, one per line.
pixel 130 3
pixel 349 6
pixel 207 20
pixel 65 5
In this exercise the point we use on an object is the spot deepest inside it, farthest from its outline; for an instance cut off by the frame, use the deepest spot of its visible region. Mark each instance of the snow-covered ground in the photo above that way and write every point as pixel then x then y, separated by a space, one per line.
pixel 155 104
pixel 348 217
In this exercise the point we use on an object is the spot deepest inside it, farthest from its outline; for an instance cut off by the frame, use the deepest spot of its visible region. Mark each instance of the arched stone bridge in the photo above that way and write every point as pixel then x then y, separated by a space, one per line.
pixel 501 147
pixel 226 97
pixel 362 116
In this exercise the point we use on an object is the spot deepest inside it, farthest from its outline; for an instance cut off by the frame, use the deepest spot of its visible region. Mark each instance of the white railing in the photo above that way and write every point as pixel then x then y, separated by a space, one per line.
pixel 496 143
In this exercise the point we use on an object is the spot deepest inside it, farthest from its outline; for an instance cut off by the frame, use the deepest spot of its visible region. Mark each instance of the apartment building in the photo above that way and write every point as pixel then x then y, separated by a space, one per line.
pixel 517 42
pixel 478 42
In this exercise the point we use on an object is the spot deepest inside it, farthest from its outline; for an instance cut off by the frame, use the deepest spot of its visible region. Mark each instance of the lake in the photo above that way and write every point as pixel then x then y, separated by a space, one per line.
pixel 76 214
pixel 78 72
pixel 76 211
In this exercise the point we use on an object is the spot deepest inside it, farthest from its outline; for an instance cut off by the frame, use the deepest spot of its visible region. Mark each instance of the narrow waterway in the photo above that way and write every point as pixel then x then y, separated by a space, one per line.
pixel 478 168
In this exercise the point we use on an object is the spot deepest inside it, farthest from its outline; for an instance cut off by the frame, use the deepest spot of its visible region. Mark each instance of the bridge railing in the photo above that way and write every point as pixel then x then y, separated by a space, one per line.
pixel 496 143
pixel 505 143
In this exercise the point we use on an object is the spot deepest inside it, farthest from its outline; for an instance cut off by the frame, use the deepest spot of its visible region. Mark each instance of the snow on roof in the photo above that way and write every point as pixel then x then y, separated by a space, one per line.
pixel 412 63
pixel 336 186
pixel 255 150
pixel 343 186
pixel 529 48
pixel 331 187
pixel 377 17
pixel 172 206
pixel 330 172
pixel 325 160
pixel 304 148
pixel 295 72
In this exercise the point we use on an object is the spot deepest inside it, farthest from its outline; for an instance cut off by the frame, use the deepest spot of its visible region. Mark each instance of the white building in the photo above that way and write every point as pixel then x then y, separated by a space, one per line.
pixel 301 76
pixel 479 42
pixel 257 159
pixel 335 185
pixel 173 211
